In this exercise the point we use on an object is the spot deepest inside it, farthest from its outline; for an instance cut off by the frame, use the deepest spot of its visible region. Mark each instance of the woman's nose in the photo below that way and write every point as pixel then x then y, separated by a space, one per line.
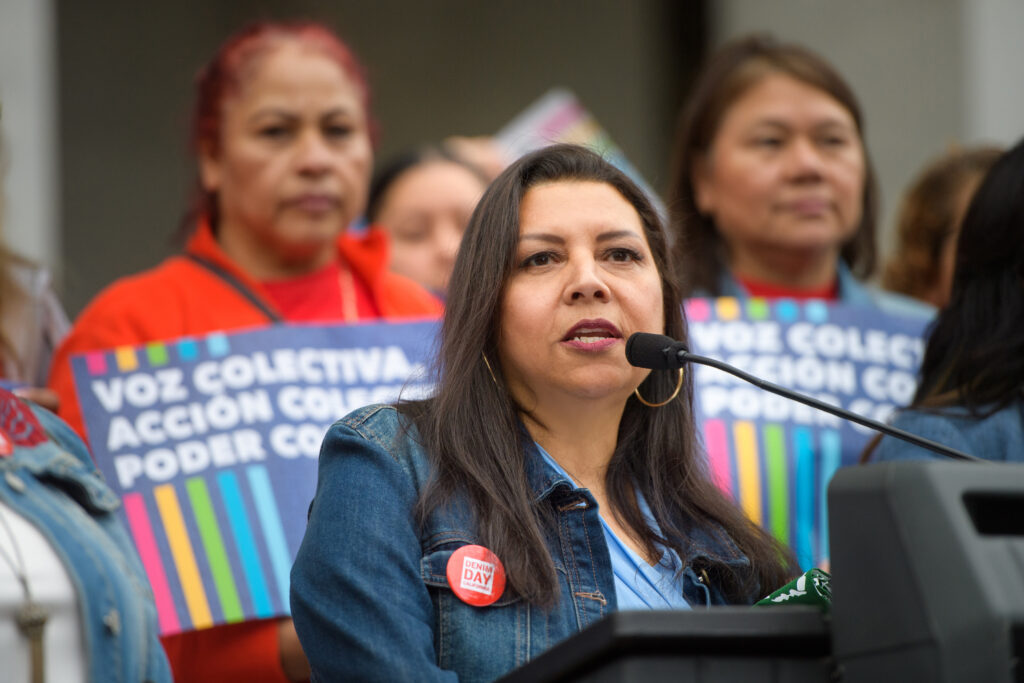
pixel 314 153
pixel 586 282
pixel 804 159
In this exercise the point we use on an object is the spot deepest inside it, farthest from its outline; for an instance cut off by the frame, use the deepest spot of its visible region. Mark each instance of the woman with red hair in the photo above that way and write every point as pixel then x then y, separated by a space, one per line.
pixel 284 141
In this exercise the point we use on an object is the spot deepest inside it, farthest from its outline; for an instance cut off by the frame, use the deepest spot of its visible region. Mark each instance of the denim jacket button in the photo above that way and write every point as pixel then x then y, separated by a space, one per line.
pixel 112 620
pixel 66 459
pixel 14 481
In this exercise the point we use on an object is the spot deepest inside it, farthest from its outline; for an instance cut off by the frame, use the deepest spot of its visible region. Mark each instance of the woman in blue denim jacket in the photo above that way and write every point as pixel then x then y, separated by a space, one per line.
pixel 48 479
pixel 971 393
pixel 577 473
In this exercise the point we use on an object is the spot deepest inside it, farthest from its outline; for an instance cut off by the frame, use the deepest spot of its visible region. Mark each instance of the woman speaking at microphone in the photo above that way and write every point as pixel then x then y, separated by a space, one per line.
pixel 547 482
pixel 282 135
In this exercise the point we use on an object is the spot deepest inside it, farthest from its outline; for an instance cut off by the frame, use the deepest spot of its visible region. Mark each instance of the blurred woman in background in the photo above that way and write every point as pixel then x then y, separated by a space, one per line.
pixel 283 136
pixel 929 222
pixel 32 321
pixel 971 393
pixel 772 191
pixel 423 199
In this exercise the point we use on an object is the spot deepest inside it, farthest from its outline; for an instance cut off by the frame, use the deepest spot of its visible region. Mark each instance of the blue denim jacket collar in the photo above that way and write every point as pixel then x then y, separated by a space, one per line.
pixel 542 478
pixel 709 545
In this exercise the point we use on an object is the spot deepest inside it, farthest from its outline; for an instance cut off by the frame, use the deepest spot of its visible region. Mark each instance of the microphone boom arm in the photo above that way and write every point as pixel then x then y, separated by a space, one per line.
pixel 684 356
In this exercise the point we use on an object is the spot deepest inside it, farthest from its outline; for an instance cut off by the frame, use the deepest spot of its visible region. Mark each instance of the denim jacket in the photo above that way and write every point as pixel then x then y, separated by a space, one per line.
pixel 50 480
pixel 369 594
pixel 997 435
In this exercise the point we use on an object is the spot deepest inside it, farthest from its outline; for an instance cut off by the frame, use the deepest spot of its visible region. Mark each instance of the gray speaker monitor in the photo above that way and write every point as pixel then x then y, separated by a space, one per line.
pixel 928 572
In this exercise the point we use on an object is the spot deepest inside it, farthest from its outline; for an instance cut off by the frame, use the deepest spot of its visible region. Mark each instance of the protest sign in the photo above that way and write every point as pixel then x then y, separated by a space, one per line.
pixel 559 117
pixel 212 444
pixel 775 456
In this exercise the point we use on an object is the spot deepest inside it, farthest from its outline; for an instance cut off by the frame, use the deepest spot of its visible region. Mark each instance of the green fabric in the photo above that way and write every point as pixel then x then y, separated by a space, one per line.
pixel 813 587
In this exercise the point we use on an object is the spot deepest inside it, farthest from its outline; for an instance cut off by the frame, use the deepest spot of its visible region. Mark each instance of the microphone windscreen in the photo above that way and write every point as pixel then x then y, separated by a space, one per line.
pixel 654 351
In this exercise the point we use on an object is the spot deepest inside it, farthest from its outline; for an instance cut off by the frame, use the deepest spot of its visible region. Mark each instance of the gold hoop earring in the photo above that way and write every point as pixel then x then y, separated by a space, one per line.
pixel 679 385
pixel 489 369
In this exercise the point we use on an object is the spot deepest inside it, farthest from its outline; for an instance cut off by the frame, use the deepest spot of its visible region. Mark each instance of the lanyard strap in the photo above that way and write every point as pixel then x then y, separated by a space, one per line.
pixel 228 278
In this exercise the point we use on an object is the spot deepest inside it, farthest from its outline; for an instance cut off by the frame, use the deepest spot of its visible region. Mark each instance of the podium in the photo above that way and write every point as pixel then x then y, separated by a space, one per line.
pixel 778 645
pixel 928 585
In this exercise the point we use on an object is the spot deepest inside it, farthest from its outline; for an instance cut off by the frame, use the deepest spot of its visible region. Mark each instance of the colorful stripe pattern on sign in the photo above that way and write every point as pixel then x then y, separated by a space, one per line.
pixel 778 472
pixel 231 531
pixel 227 530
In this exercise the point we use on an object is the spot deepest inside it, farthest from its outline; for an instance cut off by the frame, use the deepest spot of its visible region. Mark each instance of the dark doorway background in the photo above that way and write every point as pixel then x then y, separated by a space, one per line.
pixel 436 68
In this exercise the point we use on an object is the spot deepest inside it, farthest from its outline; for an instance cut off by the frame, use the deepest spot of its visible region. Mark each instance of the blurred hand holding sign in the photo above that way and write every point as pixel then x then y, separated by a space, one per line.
pixel 775 456
pixel 212 443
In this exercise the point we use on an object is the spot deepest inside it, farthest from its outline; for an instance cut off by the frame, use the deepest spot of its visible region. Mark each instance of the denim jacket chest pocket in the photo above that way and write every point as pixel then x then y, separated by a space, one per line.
pixel 482 643
pixel 505 627
pixel 512 630
pixel 76 478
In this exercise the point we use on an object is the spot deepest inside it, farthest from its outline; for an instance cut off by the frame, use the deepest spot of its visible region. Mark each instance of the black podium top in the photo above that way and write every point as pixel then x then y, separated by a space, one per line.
pixel 800 633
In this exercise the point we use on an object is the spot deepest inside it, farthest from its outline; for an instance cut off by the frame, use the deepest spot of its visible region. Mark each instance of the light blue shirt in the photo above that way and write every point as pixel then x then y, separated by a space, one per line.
pixel 638 585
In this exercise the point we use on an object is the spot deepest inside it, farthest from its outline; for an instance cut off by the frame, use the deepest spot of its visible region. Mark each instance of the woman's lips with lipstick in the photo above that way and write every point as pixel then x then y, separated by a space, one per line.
pixel 592 335
pixel 809 206
pixel 314 203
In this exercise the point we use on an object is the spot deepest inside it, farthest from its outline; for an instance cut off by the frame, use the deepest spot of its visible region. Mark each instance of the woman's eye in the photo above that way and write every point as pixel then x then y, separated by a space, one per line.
pixel 338 131
pixel 542 258
pixel 768 142
pixel 624 255
pixel 412 233
pixel 274 132
pixel 834 141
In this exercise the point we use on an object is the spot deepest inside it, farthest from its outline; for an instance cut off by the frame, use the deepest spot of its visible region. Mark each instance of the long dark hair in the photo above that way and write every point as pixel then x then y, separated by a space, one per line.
pixel 472 431
pixel 975 352
pixel 730 72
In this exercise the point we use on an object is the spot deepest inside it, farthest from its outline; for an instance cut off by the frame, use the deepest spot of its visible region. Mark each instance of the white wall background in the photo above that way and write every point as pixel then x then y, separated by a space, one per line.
pixel 28 130
pixel 994 64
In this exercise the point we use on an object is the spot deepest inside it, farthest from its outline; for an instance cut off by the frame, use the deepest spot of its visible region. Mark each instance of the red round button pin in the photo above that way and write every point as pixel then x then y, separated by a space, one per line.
pixel 475 575
pixel 6 445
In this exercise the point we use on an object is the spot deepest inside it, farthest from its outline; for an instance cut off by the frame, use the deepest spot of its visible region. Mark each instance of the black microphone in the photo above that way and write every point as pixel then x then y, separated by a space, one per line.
pixel 658 352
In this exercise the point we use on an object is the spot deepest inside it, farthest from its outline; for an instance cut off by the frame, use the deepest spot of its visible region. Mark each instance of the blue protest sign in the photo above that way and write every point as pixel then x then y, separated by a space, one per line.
pixel 775 456
pixel 212 443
